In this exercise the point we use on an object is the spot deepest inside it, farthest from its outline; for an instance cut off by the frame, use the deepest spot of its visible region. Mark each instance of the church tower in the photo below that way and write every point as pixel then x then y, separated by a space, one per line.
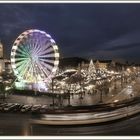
pixel 1 50
pixel 2 64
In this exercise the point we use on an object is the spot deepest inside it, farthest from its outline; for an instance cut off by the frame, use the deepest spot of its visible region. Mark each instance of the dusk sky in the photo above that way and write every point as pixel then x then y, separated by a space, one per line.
pixel 105 31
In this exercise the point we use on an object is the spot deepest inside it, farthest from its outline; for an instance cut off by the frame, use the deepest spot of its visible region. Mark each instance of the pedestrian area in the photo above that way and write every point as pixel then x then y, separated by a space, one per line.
pixel 127 92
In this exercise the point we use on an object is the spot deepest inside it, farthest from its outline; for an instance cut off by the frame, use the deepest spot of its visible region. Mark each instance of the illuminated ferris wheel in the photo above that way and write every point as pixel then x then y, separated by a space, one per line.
pixel 34 57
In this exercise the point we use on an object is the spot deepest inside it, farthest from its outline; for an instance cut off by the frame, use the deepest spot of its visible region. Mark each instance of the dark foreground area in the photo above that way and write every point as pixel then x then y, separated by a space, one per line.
pixel 18 125
pixel 18 122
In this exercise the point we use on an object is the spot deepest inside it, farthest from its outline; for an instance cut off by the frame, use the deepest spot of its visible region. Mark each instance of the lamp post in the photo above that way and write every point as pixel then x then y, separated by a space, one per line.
pixel 121 80
pixel 115 82
pixel 2 90
pixel 101 96
pixel 53 92
pixel 101 87
pixel 68 97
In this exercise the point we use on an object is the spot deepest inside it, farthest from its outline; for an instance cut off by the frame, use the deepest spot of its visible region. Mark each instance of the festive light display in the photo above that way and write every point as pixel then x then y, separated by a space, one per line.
pixel 34 57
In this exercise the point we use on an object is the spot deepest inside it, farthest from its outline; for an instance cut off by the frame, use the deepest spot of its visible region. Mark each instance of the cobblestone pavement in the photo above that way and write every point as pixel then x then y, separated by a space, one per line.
pixel 128 92
pixel 87 99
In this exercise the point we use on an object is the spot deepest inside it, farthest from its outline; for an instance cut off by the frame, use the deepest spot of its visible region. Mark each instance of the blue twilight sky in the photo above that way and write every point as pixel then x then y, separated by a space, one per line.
pixel 105 31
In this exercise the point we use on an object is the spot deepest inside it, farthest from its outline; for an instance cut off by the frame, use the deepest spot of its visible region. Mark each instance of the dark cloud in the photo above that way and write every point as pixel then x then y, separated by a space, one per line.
pixel 88 30
pixel 124 47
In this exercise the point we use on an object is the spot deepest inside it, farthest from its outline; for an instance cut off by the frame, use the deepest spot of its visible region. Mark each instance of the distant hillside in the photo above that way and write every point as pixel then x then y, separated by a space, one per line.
pixel 71 61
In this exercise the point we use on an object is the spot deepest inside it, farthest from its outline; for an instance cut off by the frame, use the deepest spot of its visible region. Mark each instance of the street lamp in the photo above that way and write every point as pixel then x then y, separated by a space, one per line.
pixel 121 80
pixel 2 90
pixel 53 92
